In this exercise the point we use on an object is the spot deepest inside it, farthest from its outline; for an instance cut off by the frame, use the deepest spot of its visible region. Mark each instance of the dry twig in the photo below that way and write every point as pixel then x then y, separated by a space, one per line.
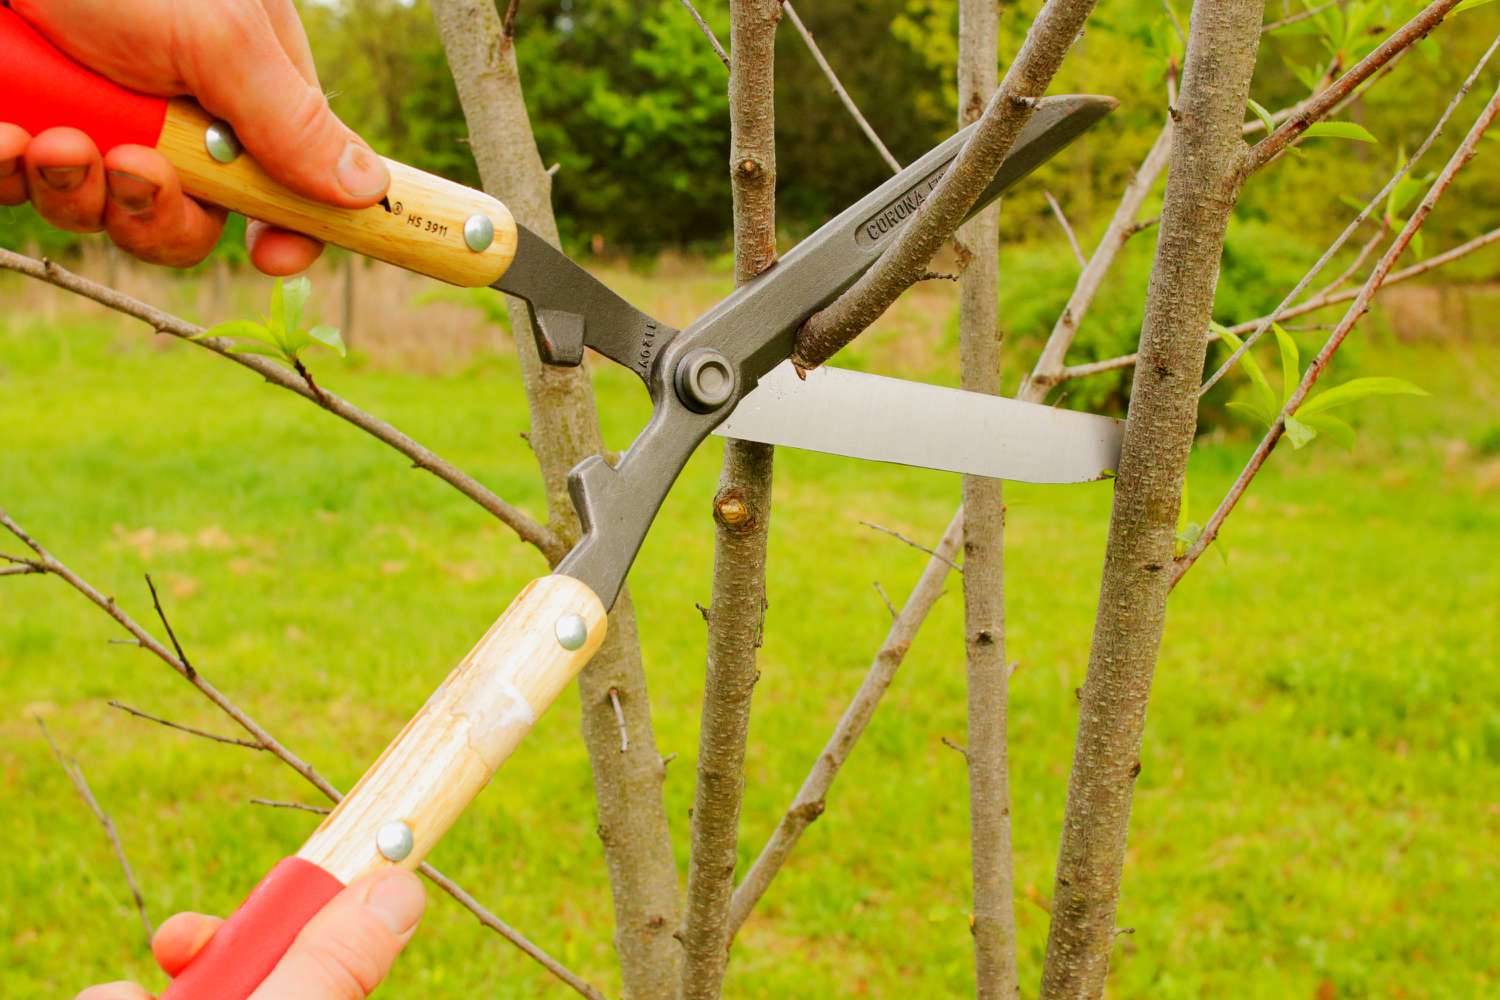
pixel 838 88
pixel 202 734
pixel 707 32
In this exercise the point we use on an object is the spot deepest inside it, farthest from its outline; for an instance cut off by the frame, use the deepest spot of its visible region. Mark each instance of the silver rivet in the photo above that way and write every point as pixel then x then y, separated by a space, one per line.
pixel 394 841
pixel 221 142
pixel 705 380
pixel 479 233
pixel 572 632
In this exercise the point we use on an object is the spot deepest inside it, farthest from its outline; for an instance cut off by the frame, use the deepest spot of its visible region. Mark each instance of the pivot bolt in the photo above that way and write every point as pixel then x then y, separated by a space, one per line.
pixel 479 233
pixel 572 632
pixel 394 841
pixel 221 142
pixel 705 380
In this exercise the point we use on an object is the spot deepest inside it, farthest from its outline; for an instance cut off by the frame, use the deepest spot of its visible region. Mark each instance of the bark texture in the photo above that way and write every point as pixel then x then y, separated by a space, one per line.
pixel 1052 34
pixel 564 431
pixel 1207 166
pixel 994 924
pixel 742 517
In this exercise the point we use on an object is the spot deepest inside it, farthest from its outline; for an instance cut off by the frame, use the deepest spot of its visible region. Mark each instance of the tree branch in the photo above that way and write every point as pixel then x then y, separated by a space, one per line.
pixel 1062 221
pixel 1300 16
pixel 202 734
pixel 1206 169
pixel 742 517
pixel 838 88
pixel 808 804
pixel 75 774
pixel 1052 34
pixel 707 32
pixel 421 457
pixel 274 747
pixel 1357 309
pixel 1323 103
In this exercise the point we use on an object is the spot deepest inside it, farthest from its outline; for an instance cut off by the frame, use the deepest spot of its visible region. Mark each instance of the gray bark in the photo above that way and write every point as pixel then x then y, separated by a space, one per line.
pixel 994 924
pixel 1208 163
pixel 565 430
pixel 742 515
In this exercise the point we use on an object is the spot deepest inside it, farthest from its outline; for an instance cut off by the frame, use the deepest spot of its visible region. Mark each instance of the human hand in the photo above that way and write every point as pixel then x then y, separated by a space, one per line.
pixel 247 62
pixel 342 954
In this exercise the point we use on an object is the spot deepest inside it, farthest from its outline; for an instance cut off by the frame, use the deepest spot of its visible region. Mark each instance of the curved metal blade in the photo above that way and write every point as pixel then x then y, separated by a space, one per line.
pixel 882 419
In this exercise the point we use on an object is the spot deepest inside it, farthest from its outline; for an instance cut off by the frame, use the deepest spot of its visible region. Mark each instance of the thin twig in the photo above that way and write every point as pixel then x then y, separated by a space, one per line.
pixel 299 806
pixel 1176 21
pixel 75 774
pixel 215 737
pixel 22 568
pixel 955 747
pixel 886 598
pixel 1320 106
pixel 1302 308
pixel 1062 220
pixel 707 32
pixel 162 615
pixel 614 699
pixel 421 457
pixel 508 23
pixel 914 544
pixel 1352 315
pixel 273 746
pixel 1304 15
pixel 838 88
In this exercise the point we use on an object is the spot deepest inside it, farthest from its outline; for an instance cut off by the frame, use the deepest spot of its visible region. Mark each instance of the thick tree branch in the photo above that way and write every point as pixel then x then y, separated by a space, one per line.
pixel 991 868
pixel 81 784
pixel 742 517
pixel 1323 104
pixel 421 457
pixel 1207 162
pixel 1357 309
pixel 809 802
pixel 1056 26
pixel 276 748
pixel 632 825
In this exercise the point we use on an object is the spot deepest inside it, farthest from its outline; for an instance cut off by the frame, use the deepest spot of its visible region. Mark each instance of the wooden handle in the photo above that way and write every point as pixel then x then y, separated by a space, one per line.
pixel 425 223
pixel 467 729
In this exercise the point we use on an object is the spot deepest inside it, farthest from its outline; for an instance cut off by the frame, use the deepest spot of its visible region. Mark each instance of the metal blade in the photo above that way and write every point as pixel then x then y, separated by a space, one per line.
pixel 911 423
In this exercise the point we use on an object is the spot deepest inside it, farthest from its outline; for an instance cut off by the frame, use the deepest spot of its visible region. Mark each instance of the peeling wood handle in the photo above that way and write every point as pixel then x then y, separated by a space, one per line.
pixel 409 798
pixel 425 224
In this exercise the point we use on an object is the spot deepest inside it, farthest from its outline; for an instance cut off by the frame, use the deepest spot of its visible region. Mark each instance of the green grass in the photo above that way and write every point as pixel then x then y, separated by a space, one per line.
pixel 1316 816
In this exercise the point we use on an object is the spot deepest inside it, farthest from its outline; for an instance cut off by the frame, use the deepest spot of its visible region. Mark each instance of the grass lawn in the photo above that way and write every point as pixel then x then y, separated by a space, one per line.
pixel 1318 813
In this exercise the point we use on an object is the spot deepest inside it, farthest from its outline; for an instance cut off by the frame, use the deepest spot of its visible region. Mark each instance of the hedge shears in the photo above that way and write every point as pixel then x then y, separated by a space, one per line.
pixel 726 372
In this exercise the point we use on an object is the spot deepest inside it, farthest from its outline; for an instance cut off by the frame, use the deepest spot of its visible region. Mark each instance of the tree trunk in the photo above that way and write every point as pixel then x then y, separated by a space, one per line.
pixel 1207 167
pixel 994 925
pixel 742 517
pixel 565 430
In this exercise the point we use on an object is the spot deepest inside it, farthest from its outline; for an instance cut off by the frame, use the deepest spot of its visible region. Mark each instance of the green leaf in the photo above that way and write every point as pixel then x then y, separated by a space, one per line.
pixel 1469 5
pixel 276 322
pixel 1266 401
pixel 267 349
pixel 1291 363
pixel 1328 424
pixel 1263 115
pixel 1339 130
pixel 1298 432
pixel 329 336
pixel 241 329
pixel 1258 414
pixel 294 296
pixel 1357 389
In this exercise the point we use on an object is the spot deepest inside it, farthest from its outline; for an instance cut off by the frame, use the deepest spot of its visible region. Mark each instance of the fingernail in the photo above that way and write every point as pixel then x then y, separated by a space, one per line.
pixel 398 900
pixel 9 167
pixel 63 179
pixel 361 173
pixel 130 193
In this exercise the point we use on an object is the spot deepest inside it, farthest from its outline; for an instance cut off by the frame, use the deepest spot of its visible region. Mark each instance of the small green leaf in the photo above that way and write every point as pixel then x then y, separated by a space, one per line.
pixel 1266 401
pixel 1263 115
pixel 1357 389
pixel 276 322
pixel 294 297
pixel 1339 130
pixel 1469 5
pixel 1291 363
pixel 1298 432
pixel 243 329
pixel 329 336
pixel 1331 426
pixel 268 350
pixel 1254 411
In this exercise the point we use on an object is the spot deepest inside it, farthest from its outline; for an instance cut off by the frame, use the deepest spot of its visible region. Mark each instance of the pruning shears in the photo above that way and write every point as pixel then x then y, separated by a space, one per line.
pixel 726 372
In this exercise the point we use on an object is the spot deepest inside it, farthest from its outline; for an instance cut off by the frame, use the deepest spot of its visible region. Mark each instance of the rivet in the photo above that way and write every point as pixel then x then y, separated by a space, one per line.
pixel 221 142
pixel 394 841
pixel 479 233
pixel 572 632
pixel 705 380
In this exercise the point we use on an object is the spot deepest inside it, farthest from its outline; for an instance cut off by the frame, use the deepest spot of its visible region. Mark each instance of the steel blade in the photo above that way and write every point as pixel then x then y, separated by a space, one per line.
pixel 883 419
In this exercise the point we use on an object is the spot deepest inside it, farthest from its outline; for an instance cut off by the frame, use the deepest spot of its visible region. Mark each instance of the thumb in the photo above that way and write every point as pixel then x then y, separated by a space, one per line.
pixel 238 69
pixel 346 950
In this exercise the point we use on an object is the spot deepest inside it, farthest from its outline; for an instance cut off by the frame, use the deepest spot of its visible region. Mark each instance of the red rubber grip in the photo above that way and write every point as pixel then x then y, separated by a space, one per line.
pixel 41 88
pixel 245 949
